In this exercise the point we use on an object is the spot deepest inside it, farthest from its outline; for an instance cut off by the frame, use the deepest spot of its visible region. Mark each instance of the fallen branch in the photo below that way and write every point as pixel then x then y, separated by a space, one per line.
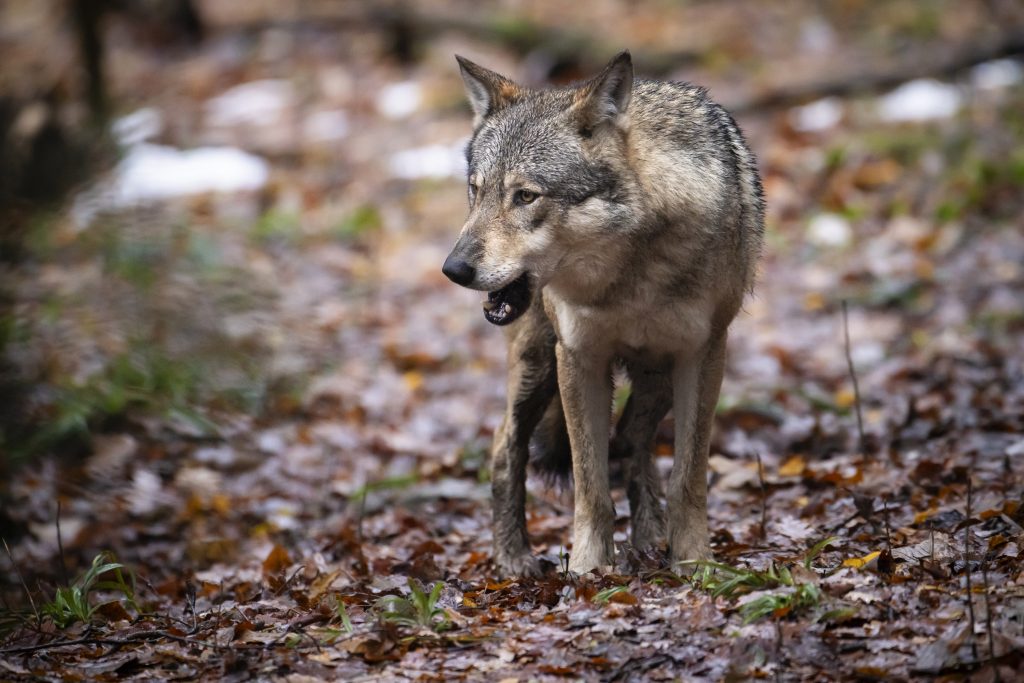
pixel 935 63
pixel 140 637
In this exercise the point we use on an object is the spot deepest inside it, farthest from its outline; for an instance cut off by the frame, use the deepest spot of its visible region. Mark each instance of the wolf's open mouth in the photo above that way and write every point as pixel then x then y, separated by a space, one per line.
pixel 508 303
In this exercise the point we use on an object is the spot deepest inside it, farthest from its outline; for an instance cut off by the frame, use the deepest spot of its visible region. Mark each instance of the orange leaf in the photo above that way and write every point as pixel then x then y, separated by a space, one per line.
pixel 861 562
pixel 793 467
pixel 277 561
pixel 623 598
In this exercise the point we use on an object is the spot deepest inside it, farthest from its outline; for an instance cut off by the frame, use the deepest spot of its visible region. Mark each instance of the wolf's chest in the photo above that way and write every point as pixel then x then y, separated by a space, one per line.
pixel 635 327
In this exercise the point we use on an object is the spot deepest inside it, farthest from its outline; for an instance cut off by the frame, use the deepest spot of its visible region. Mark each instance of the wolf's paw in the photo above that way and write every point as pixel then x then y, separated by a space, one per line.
pixel 586 557
pixel 521 565
pixel 689 545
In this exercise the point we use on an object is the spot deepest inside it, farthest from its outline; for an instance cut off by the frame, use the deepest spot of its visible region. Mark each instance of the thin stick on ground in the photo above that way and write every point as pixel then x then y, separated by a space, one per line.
pixel 888 532
pixel 362 513
pixel 24 585
pixel 888 556
pixel 853 377
pixel 764 498
pixel 988 621
pixel 967 570
pixel 60 548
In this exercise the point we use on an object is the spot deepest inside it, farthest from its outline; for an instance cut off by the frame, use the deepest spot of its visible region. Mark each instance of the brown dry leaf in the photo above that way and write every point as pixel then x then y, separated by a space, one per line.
pixel 623 598
pixel 277 560
pixel 936 547
pixel 793 467
pixel 113 611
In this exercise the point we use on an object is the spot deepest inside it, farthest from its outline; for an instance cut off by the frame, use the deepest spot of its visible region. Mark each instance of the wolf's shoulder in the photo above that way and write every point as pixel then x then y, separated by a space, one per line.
pixel 661 98
pixel 683 113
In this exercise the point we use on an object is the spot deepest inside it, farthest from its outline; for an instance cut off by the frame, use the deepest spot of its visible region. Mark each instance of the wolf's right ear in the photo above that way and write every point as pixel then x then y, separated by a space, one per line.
pixel 487 91
pixel 606 96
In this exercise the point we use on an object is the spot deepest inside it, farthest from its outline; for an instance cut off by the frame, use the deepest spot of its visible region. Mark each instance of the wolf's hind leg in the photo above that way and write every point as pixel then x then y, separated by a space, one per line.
pixel 648 403
pixel 532 382
pixel 695 383
pixel 550 454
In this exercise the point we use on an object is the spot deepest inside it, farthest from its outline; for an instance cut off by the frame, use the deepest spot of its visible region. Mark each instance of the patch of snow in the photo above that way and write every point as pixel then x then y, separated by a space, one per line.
pixel 147 487
pixel 138 127
pixel 432 161
pixel 254 103
pixel 920 100
pixel 829 230
pixel 997 74
pixel 819 115
pixel 398 100
pixel 867 354
pixel 151 172
pixel 326 126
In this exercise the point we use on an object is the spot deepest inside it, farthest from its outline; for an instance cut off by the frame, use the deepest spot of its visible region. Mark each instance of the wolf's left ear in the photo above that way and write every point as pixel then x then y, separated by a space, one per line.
pixel 607 95
pixel 487 91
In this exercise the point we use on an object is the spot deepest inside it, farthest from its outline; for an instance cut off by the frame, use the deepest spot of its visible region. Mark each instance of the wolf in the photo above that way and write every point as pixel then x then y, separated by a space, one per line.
pixel 615 222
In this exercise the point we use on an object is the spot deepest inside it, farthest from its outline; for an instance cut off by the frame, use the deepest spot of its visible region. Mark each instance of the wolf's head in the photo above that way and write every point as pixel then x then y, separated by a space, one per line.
pixel 546 181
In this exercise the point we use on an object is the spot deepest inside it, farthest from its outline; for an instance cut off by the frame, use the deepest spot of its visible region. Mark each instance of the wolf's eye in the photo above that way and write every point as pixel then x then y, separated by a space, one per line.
pixel 525 197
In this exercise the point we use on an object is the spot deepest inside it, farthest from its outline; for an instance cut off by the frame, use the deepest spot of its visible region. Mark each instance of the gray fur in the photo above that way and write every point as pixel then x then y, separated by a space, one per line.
pixel 634 208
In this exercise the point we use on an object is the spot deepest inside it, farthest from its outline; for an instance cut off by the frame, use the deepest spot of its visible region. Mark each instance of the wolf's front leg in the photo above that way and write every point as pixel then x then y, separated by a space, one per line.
pixel 532 382
pixel 512 554
pixel 696 382
pixel 585 384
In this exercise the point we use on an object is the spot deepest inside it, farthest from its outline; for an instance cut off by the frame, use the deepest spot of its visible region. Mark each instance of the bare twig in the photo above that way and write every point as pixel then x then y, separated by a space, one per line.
pixel 853 376
pixel 885 516
pixel 362 513
pixel 967 568
pixel 988 621
pixel 140 637
pixel 888 571
pixel 928 62
pixel 764 498
pixel 190 600
pixel 24 585
pixel 60 548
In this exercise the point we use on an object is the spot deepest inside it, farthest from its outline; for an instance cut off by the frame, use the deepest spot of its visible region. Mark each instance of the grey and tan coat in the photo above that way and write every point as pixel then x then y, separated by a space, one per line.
pixel 614 221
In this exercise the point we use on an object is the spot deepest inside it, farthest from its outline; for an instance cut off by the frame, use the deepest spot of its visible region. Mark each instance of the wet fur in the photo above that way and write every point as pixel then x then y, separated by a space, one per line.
pixel 640 249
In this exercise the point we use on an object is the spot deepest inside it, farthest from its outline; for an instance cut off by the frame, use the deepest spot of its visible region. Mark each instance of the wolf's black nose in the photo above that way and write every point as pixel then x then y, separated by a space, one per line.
pixel 458 271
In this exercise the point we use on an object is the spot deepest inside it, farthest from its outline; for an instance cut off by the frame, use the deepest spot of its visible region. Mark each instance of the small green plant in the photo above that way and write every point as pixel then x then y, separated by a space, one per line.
pixel 363 221
pixel 332 633
pixel 277 226
pixel 339 609
pixel 73 603
pixel 419 610
pixel 786 600
pixel 605 596
pixel 143 380
pixel 784 592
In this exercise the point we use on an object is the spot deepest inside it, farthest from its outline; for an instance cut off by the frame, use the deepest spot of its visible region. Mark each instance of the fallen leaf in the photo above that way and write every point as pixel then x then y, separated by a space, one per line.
pixel 861 562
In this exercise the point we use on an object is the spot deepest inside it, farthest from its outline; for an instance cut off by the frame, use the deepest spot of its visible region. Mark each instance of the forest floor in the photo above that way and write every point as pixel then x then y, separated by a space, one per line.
pixel 270 406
